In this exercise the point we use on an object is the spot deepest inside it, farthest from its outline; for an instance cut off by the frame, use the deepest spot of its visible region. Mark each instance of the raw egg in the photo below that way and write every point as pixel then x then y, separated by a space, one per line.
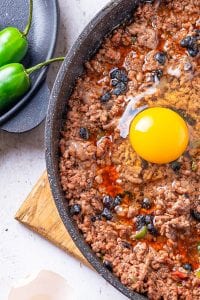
pixel 159 135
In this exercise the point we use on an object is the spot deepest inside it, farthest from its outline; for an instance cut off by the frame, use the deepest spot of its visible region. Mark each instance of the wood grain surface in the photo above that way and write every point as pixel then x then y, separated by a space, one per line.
pixel 40 214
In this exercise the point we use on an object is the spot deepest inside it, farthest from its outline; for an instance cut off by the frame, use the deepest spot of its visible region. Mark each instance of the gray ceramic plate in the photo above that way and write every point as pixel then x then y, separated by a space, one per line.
pixel 109 18
pixel 31 109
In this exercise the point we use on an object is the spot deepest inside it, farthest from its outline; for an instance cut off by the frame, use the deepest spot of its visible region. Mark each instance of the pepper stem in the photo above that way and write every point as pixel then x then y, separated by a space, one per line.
pixel 46 63
pixel 28 26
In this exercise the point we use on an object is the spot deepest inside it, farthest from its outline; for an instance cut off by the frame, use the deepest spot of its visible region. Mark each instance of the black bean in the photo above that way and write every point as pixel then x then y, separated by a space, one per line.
pixel 95 218
pixel 149 219
pixel 107 201
pixel 114 82
pixel 115 73
pixel 140 222
pixel 126 245
pixel 84 133
pixel 123 77
pixel 108 265
pixel 119 89
pixel 152 230
pixel 146 220
pixel 197 34
pixel 122 86
pixel 117 200
pixel 119 80
pixel 160 57
pixel 187 42
pixel 150 226
pixel 157 75
pixel 190 43
pixel 117 92
pixel 146 203
pixel 119 75
pixel 176 166
pixel 188 267
pixel 193 51
pixel 195 214
pixel 106 97
pixel 75 210
pixel 106 213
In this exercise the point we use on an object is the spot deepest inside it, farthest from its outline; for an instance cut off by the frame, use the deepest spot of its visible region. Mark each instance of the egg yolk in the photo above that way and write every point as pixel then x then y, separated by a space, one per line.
pixel 159 135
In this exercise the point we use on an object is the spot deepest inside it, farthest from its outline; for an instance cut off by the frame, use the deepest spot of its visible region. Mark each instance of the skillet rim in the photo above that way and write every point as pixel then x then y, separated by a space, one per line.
pixel 52 136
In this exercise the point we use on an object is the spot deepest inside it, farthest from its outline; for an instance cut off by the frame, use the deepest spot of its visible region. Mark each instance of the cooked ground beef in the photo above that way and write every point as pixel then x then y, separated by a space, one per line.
pixel 141 219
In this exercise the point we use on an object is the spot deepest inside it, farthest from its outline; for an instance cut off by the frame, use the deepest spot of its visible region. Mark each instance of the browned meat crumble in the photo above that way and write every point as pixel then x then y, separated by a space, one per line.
pixel 111 191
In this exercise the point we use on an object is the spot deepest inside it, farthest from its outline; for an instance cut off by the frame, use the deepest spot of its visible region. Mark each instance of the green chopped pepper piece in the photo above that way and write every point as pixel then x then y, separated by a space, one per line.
pixel 197 273
pixel 141 233
pixel 194 165
pixel 198 247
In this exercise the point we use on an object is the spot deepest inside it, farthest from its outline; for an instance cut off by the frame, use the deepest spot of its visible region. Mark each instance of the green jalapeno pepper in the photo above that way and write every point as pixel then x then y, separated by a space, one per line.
pixel 15 82
pixel 13 42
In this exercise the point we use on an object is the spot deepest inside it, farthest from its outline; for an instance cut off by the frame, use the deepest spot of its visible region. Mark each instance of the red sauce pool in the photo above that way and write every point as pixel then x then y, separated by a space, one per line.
pixel 110 175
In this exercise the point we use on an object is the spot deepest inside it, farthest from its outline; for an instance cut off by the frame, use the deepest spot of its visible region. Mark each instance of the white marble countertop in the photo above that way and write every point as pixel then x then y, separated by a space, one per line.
pixel 22 252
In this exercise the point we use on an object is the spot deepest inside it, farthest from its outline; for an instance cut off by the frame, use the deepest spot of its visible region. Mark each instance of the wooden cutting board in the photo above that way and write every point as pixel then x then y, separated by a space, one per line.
pixel 40 214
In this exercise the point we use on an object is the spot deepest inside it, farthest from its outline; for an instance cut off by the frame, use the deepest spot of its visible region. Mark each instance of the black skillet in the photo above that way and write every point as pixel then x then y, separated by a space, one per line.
pixel 89 41
pixel 31 110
